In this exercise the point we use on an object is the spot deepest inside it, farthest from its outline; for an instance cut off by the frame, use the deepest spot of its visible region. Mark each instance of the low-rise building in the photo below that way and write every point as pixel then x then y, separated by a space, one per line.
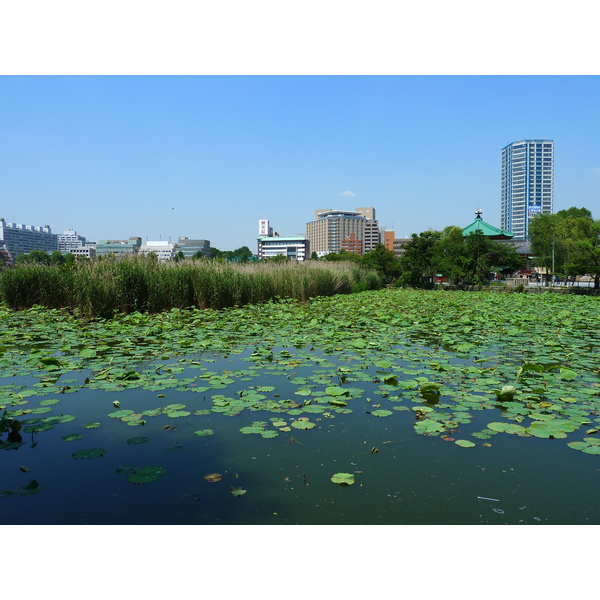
pixel 293 247
pixel 119 248
pixel 163 250
pixel 192 247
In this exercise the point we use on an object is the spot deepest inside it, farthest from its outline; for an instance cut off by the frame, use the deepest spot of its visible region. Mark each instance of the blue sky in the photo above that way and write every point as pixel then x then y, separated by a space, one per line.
pixel 208 156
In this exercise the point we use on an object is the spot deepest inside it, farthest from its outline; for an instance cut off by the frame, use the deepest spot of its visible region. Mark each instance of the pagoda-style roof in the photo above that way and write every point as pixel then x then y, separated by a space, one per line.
pixel 486 229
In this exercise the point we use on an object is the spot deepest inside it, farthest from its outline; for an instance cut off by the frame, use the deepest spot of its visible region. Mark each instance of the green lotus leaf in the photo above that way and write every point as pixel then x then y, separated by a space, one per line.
pixel 508 428
pixel 568 374
pixel 38 427
pixel 464 443
pixel 138 440
pixel 269 434
pixel 236 491
pixel 178 413
pixel 302 424
pixel 71 437
pixel 337 402
pixel 382 413
pixel 551 429
pixel 49 402
pixel 335 390
pixel 343 479
pixel 91 426
pixel 91 453
pixel 145 474
pixel 203 432
pixel 252 429
pixel 120 414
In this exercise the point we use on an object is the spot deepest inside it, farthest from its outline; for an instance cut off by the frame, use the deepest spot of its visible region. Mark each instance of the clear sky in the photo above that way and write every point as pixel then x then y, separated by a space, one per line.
pixel 208 156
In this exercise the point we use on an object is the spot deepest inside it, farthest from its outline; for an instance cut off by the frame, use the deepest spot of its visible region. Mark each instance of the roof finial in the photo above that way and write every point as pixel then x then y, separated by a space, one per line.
pixel 478 213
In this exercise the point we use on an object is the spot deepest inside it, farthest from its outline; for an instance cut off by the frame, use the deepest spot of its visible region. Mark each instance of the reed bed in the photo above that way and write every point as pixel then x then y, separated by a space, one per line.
pixel 105 287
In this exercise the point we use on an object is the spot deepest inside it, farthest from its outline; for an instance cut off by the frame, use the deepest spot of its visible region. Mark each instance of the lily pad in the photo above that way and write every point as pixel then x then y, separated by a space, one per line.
pixel 382 413
pixel 71 437
pixel 343 479
pixel 302 424
pixel 203 432
pixel 464 443
pixel 138 440
pixel 145 474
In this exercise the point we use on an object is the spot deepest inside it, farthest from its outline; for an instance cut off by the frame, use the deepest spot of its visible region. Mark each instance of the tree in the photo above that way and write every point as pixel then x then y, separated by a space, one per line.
pixel 241 254
pixel 314 256
pixel 199 255
pixel 382 260
pixel 57 258
pixel 583 243
pixel 34 257
pixel 342 255
pixel 417 262
pixel 449 255
pixel 568 240
pixel 179 256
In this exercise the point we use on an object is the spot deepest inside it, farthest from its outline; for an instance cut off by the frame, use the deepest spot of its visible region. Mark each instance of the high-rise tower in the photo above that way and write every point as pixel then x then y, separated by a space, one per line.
pixel 527 185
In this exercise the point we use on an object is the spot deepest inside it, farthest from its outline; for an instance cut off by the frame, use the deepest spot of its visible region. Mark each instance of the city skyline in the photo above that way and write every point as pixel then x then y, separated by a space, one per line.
pixel 206 157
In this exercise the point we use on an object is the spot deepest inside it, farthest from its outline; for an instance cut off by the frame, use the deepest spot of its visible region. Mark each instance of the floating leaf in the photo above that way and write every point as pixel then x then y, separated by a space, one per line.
pixel 120 414
pixel 382 413
pixel 91 426
pixel 336 391
pixel 138 440
pixel 71 437
pixel 269 434
pixel 252 429
pixel 302 424
pixel 145 474
pixel 343 479
pixel 508 428
pixel 213 477
pixel 236 491
pixel 464 443
pixel 203 432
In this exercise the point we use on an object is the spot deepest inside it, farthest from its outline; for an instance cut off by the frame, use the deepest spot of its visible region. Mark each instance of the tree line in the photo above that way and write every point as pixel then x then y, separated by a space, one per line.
pixel 565 243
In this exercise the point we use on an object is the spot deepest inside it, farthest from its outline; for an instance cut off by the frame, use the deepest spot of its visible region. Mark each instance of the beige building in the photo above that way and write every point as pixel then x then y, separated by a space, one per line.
pixel 331 227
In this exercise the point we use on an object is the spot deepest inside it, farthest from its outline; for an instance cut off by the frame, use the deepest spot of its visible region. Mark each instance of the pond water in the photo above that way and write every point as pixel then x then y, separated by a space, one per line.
pixel 401 476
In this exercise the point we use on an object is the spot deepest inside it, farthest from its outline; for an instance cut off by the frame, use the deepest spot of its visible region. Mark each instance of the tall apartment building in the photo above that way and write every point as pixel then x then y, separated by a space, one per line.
pixel 527 184
pixel 332 229
pixel 17 238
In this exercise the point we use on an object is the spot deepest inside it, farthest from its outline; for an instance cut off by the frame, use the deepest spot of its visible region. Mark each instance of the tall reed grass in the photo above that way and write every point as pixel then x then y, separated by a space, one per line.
pixel 101 288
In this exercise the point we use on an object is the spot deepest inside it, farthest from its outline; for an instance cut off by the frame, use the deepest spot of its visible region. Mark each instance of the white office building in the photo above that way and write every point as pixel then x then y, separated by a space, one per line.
pixel 527 184
pixel 293 247
pixel 69 241
pixel 163 250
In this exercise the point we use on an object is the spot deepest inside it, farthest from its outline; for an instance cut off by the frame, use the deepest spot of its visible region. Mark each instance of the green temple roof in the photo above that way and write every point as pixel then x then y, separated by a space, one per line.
pixel 488 230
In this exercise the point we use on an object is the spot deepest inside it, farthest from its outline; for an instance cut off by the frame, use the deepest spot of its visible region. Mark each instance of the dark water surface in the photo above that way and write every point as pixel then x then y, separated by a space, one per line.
pixel 401 477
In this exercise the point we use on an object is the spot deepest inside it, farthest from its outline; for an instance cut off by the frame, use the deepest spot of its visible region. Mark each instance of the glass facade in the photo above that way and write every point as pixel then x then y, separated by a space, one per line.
pixel 527 184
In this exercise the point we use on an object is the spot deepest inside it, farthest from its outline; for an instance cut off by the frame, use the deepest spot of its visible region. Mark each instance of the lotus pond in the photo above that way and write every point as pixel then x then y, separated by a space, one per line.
pixel 383 407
